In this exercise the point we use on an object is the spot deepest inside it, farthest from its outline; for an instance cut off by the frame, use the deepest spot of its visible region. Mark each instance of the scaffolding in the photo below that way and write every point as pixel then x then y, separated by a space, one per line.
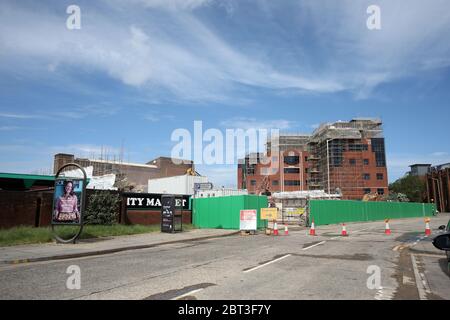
pixel 336 162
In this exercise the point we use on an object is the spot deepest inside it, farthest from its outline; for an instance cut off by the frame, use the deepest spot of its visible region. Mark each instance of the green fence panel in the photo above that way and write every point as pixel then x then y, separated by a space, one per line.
pixel 224 212
pixel 340 211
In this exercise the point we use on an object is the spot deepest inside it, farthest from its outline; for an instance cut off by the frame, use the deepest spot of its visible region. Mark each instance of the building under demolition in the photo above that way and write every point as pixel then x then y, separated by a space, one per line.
pixel 341 157
pixel 133 176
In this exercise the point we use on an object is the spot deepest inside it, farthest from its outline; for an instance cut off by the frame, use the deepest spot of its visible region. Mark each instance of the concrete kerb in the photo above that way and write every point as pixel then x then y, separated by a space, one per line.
pixel 109 251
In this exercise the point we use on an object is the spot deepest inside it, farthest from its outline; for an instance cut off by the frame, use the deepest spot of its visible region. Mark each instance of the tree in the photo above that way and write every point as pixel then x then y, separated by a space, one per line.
pixel 102 208
pixel 412 186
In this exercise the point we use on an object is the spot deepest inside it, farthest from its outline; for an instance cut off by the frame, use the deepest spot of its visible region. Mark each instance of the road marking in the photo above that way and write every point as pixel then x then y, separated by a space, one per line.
pixel 387 294
pixel 187 294
pixel 314 245
pixel 430 255
pixel 361 230
pixel 267 263
pixel 421 283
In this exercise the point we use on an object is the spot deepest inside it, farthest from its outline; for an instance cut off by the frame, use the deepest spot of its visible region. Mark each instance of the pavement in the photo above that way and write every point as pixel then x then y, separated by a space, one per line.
pixel 294 267
pixel 98 246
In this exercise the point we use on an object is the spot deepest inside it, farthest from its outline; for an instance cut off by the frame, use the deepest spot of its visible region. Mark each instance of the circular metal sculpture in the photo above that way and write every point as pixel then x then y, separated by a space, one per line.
pixel 68 202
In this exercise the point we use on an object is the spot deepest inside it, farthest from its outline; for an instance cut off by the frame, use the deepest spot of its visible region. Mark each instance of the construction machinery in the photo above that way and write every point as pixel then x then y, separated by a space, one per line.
pixel 264 187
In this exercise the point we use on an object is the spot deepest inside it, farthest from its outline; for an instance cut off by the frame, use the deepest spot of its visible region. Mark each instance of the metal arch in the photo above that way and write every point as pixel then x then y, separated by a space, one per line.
pixel 83 202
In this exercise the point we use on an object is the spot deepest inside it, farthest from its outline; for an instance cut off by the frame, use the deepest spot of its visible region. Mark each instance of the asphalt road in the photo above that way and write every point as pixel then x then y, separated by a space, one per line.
pixel 297 266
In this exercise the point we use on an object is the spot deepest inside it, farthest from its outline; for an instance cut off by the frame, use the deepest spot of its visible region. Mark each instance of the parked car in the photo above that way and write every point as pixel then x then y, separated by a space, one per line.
pixel 442 241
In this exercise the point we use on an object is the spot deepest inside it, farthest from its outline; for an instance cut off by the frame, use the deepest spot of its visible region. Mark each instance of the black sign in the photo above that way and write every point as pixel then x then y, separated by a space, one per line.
pixel 150 201
pixel 167 213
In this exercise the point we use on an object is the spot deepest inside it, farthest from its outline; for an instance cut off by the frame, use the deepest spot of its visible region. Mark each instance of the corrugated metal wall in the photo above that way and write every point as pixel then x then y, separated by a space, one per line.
pixel 224 212
pixel 338 211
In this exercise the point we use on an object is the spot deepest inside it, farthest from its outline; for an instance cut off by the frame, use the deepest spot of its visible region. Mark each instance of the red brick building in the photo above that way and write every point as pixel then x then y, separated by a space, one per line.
pixel 346 157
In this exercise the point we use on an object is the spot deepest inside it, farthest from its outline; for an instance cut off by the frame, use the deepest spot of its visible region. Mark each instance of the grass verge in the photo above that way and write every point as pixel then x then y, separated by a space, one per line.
pixel 29 235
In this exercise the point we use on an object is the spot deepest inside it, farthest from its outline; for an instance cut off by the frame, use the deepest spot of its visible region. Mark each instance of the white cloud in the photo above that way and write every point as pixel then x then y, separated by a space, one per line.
pixel 9 128
pixel 173 4
pixel 20 116
pixel 253 123
pixel 192 63
pixel 168 48
pixel 440 154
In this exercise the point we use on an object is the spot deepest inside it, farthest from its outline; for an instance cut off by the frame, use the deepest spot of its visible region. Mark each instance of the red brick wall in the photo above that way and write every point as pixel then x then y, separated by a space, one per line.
pixel 22 208
pixel 25 208
pixel 148 217
pixel 29 208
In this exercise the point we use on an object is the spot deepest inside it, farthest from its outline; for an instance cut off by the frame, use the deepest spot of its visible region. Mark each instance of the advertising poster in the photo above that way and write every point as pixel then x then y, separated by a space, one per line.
pixel 248 220
pixel 67 201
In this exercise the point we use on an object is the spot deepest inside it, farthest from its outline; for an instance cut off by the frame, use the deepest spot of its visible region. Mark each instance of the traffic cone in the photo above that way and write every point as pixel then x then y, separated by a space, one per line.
pixel 286 231
pixel 312 230
pixel 275 229
pixel 387 229
pixel 427 227
pixel 344 231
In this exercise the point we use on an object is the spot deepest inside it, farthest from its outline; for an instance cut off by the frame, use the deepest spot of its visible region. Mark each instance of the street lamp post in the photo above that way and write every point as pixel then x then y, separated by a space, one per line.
pixel 328 166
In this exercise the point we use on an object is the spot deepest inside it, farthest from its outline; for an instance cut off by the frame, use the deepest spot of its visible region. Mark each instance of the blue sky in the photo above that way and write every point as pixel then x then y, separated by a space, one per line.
pixel 135 72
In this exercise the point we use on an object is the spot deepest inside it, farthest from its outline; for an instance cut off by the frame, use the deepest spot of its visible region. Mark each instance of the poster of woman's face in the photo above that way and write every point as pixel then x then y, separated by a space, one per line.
pixel 67 201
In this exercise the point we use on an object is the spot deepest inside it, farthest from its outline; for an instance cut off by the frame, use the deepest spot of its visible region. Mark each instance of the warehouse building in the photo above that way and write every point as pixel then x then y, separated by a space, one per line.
pixel 133 175
pixel 345 157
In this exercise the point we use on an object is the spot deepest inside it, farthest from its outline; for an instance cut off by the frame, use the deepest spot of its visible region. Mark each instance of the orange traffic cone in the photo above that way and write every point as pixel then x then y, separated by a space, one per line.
pixel 344 231
pixel 427 227
pixel 286 231
pixel 387 230
pixel 312 230
pixel 275 229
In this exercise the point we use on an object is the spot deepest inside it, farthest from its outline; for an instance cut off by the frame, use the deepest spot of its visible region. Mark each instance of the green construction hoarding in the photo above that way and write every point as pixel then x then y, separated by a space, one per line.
pixel 224 212
pixel 339 211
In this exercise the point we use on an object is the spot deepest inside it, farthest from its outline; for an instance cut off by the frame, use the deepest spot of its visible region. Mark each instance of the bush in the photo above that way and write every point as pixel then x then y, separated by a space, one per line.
pixel 102 208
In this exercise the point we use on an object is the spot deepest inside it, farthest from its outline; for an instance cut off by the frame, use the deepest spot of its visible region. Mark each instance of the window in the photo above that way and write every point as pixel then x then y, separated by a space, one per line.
pixel 253 182
pixel 250 171
pixel 366 176
pixel 265 171
pixel 274 170
pixel 274 182
pixel 358 147
pixel 291 170
pixel 292 182
pixel 352 162
pixel 379 150
pixel 380 176
pixel 367 191
pixel 291 160
pixel 306 170
pixel 380 191
pixel 366 162
pixel 306 159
